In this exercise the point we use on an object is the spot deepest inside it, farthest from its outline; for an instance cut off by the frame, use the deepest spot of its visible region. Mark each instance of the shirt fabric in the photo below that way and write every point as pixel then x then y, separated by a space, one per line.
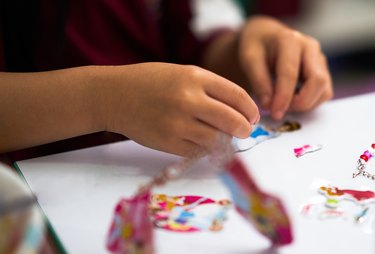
pixel 104 32
pixel 39 35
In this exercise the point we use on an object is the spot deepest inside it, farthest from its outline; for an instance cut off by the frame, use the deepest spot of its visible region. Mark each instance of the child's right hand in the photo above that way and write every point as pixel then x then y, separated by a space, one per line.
pixel 174 108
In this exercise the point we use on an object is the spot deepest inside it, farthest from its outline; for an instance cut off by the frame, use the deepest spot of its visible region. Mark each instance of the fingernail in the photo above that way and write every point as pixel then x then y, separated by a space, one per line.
pixel 278 114
pixel 244 131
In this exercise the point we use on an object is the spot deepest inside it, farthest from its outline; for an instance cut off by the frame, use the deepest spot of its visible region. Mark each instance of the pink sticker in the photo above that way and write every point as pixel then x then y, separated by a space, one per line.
pixel 131 228
pixel 306 149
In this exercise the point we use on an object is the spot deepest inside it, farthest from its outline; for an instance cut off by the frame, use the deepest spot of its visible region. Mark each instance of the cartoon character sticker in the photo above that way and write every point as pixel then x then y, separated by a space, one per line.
pixel 262 133
pixel 188 213
pixel 345 204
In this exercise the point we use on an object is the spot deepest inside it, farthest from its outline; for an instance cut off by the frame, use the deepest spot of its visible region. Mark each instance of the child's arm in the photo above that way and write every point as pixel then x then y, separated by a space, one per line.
pixel 173 108
pixel 37 108
pixel 268 58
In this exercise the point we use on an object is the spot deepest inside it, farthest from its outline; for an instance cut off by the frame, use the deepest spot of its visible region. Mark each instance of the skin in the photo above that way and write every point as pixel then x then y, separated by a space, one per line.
pixel 174 108
pixel 268 59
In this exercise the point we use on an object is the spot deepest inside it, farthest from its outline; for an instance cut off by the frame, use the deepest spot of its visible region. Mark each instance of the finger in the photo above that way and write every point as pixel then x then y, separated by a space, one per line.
pixel 233 96
pixel 202 134
pixel 181 147
pixel 225 118
pixel 317 86
pixel 287 70
pixel 320 100
pixel 254 64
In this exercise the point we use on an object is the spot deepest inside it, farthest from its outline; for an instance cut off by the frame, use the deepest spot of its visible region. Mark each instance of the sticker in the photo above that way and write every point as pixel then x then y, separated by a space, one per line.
pixel 300 151
pixel 343 204
pixel 262 210
pixel 262 133
pixel 334 195
pixel 131 228
pixel 188 213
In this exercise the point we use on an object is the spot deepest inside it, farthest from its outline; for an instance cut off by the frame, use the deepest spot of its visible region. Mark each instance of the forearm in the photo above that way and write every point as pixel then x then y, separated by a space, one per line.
pixel 38 108
pixel 221 57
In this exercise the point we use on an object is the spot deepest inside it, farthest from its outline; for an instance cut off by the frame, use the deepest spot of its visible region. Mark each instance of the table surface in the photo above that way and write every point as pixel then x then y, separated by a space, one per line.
pixel 77 190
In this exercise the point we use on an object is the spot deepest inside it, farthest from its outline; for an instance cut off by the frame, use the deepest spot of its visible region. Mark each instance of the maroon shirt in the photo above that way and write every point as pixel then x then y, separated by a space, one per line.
pixel 112 32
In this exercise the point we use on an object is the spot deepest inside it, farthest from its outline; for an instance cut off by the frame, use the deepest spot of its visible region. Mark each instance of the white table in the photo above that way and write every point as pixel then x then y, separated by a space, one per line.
pixel 78 190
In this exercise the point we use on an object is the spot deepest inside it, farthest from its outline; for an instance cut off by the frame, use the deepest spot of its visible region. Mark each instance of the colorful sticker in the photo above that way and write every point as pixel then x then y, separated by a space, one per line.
pixel 334 195
pixel 264 211
pixel 262 133
pixel 188 213
pixel 131 228
pixel 306 149
pixel 259 134
pixel 344 204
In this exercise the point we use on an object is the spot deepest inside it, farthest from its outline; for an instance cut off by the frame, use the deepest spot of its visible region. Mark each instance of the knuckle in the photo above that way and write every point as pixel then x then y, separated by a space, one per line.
pixel 314 43
pixel 187 98
pixel 289 35
pixel 320 78
pixel 194 72
pixel 182 101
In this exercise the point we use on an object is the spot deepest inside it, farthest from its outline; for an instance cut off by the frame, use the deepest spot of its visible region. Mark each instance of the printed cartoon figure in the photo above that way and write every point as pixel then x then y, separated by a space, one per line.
pixel 188 213
pixel 262 133
pixel 259 134
pixel 334 195
pixel 131 228
pixel 342 203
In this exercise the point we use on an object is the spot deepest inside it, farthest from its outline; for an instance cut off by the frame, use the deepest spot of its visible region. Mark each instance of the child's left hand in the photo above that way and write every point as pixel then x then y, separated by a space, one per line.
pixel 270 52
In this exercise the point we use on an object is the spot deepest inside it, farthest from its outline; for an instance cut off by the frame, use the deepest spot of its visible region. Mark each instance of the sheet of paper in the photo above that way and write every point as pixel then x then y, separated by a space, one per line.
pixel 78 190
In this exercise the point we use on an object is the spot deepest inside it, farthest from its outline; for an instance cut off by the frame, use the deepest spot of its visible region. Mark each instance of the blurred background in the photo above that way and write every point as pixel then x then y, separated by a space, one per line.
pixel 345 29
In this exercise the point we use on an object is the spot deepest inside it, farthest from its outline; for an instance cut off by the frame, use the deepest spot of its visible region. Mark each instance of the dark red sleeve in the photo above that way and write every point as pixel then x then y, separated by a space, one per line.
pixel 2 56
pixel 116 32
pixel 182 45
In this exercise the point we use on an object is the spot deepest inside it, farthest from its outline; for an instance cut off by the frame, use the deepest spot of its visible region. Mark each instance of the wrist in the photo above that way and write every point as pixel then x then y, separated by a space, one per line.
pixel 97 97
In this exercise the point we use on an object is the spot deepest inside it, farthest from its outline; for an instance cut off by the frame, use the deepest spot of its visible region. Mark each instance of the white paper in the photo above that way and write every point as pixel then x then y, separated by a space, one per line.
pixel 78 190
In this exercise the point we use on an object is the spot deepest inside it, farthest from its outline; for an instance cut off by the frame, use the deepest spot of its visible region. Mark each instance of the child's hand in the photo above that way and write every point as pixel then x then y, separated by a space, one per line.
pixel 173 108
pixel 270 51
